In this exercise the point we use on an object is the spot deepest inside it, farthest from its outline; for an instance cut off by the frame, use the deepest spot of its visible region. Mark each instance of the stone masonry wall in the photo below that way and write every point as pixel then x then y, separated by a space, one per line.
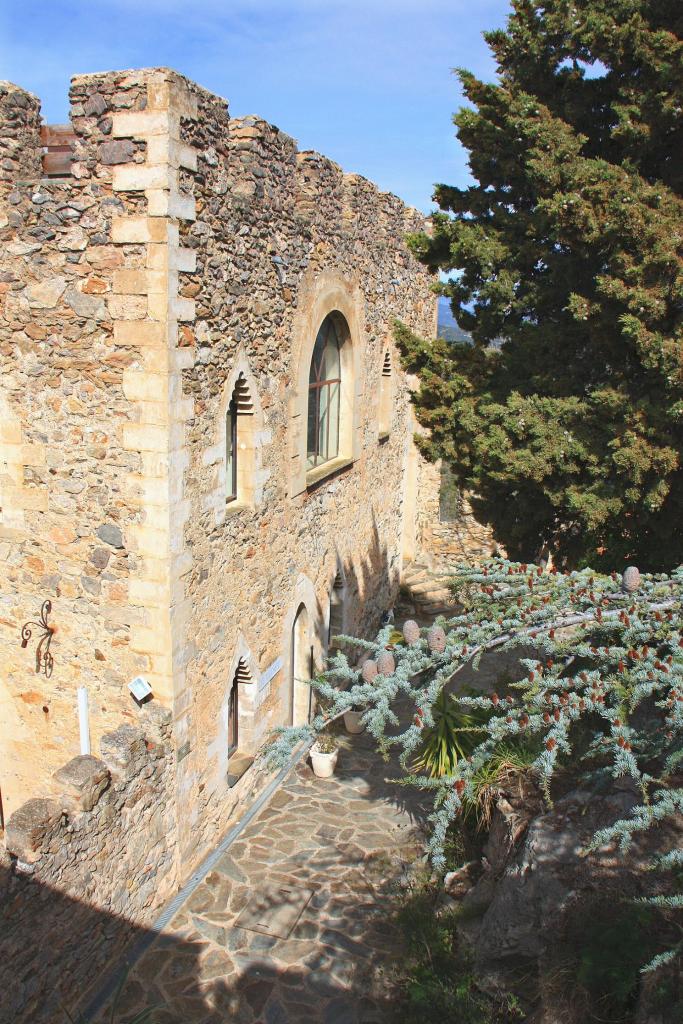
pixel 274 230
pixel 447 536
pixel 86 868
pixel 187 248
pixel 67 517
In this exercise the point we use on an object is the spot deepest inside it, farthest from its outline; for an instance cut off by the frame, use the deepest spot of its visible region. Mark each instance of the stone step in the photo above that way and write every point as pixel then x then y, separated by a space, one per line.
pixel 431 586
pixel 429 614
pixel 435 607
pixel 414 569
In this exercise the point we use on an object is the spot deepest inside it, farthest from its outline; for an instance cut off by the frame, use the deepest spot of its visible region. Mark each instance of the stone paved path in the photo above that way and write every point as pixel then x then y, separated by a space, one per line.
pixel 339 845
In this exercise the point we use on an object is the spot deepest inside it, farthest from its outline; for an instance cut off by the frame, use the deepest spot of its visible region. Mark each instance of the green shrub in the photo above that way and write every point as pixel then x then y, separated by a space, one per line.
pixel 454 735
pixel 436 982
pixel 595 968
pixel 602 696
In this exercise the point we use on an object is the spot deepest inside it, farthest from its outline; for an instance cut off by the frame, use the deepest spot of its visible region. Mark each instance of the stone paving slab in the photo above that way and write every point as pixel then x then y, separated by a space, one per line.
pixel 341 844
pixel 275 909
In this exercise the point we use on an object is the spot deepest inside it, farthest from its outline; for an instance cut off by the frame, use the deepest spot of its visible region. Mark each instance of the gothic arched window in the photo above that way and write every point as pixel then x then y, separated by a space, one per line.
pixel 324 387
pixel 239 444
pixel 385 397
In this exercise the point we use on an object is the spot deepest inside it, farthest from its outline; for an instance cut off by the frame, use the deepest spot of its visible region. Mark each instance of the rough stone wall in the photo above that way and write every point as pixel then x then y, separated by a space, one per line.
pixel 447 537
pixel 86 868
pixel 67 514
pixel 271 225
pixel 20 130
pixel 185 248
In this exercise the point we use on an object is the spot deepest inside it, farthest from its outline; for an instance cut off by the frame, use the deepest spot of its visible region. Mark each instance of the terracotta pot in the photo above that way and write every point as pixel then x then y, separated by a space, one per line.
pixel 323 764
pixel 352 722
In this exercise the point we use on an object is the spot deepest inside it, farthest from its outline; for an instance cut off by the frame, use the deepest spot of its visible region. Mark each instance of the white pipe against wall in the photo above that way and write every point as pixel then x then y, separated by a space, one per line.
pixel 84 719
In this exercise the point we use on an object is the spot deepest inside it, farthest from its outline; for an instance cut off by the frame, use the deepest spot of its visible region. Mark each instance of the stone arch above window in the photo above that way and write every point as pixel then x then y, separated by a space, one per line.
pixel 328 324
pixel 235 734
pixel 303 647
pixel 239 474
pixel 243 674
pixel 386 395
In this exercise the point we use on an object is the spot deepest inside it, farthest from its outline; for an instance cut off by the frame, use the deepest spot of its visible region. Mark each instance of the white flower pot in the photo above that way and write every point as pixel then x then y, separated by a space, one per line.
pixel 323 764
pixel 352 722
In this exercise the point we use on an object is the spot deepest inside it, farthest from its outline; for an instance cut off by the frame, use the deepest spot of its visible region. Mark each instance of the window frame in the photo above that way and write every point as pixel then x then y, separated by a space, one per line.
pixel 314 459
pixel 231 450
pixel 321 292
pixel 385 405
pixel 233 732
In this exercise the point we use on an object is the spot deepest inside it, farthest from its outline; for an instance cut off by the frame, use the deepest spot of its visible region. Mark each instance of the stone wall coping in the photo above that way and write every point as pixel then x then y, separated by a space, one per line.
pixel 139 75
pixel 82 781
pixel 6 86
pixel 246 123
pixel 120 747
pixel 26 828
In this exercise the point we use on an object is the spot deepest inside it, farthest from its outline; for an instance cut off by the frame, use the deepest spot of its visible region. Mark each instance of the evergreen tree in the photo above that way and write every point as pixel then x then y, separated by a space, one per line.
pixel 601 698
pixel 565 415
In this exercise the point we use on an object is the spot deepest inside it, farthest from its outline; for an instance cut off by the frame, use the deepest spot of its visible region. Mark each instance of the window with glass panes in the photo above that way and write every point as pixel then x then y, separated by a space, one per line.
pixel 324 386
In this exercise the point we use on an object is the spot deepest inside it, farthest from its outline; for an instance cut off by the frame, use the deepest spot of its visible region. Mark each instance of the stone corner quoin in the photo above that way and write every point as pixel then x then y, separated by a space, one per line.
pixel 163 268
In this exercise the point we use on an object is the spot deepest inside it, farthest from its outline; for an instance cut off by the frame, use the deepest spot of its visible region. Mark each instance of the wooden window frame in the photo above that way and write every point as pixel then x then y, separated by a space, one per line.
pixel 315 391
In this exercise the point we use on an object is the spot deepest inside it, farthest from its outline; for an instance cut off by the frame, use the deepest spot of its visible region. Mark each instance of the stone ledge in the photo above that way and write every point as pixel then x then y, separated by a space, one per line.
pixel 121 747
pixel 82 781
pixel 320 473
pixel 28 826
pixel 238 765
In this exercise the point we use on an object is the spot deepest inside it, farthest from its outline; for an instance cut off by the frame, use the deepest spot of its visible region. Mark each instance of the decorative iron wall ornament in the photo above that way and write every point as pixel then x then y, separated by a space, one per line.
pixel 44 659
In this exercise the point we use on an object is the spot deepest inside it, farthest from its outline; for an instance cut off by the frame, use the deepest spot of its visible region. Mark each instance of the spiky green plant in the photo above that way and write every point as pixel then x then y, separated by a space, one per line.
pixel 454 735
pixel 602 654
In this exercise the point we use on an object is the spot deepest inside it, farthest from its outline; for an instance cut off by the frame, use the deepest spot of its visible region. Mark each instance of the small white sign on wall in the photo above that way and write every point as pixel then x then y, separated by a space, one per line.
pixel 140 688
pixel 269 673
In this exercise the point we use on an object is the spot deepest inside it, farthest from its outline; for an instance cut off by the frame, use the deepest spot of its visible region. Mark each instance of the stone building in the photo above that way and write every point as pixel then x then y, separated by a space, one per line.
pixel 206 458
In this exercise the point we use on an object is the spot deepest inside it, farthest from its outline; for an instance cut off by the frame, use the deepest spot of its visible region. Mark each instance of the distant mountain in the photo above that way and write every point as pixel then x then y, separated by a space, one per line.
pixel 448 328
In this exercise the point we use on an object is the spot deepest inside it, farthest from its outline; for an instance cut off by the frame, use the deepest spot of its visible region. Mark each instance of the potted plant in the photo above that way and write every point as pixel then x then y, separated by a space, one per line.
pixel 352 721
pixel 324 754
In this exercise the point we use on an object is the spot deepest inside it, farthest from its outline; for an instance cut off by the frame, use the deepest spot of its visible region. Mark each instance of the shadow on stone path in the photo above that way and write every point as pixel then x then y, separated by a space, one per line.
pixel 338 847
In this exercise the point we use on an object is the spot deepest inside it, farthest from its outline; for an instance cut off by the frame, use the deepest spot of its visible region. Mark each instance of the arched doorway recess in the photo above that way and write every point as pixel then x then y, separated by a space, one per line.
pixel 301 667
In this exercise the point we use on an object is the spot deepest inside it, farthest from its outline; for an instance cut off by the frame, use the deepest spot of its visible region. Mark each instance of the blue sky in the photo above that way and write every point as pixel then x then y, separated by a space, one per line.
pixel 367 82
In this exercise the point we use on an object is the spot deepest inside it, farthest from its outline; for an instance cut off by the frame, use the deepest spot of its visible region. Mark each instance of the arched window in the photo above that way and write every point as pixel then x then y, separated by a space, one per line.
pixel 233 716
pixel 242 678
pixel 301 668
pixel 324 387
pixel 237 737
pixel 239 444
pixel 385 397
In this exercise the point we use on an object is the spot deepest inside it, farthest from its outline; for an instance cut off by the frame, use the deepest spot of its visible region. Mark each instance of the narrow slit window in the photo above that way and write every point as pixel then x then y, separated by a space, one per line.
pixel 385 409
pixel 233 717
pixel 231 451
pixel 239 445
